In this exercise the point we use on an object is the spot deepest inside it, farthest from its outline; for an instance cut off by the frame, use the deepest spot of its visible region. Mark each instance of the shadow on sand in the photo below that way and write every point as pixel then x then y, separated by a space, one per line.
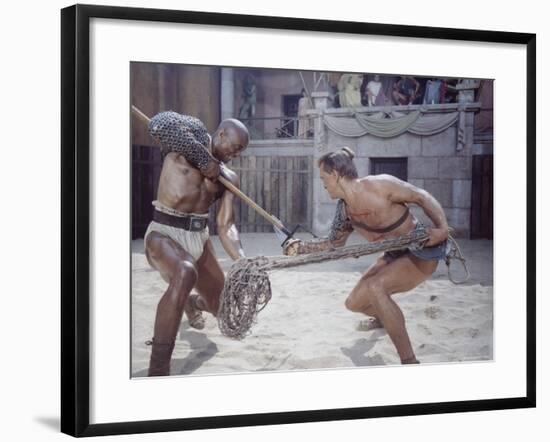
pixel 202 350
pixel 357 352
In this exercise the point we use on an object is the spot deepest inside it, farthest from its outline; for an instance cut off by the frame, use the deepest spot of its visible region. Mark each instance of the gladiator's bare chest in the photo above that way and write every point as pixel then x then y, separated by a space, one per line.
pixel 185 186
pixel 210 190
pixel 371 211
pixel 192 183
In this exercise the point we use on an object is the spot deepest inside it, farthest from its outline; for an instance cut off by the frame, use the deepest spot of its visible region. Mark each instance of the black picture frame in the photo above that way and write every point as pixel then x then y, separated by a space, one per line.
pixel 75 213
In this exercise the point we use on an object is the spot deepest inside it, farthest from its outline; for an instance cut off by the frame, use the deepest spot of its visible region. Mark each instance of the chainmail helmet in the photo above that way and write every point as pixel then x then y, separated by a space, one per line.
pixel 184 134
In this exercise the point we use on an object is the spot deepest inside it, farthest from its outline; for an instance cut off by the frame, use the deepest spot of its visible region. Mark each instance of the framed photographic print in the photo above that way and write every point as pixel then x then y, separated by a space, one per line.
pixel 289 220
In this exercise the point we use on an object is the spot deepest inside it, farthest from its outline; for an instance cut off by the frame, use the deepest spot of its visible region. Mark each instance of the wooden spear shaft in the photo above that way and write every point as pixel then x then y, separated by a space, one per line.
pixel 228 184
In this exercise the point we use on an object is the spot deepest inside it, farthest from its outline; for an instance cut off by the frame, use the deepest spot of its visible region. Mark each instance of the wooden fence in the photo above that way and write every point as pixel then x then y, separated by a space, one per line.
pixel 282 185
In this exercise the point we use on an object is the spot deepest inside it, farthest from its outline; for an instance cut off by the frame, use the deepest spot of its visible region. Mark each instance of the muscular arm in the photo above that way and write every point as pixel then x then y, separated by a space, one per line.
pixel 340 230
pixel 225 219
pixel 402 192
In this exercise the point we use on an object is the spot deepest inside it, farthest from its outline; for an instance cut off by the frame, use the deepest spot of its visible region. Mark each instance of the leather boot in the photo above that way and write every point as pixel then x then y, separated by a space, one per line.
pixel 161 354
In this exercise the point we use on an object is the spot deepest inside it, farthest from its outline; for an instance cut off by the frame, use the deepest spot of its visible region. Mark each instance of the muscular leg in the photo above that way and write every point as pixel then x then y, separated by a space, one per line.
pixel 373 322
pixel 178 268
pixel 210 281
pixel 373 294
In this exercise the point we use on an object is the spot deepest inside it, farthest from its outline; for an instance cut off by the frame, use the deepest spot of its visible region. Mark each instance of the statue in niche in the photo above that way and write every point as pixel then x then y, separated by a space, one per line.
pixel 248 106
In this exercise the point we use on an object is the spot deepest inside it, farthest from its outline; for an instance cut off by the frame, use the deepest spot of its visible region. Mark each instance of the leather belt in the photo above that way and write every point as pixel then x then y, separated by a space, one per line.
pixel 187 222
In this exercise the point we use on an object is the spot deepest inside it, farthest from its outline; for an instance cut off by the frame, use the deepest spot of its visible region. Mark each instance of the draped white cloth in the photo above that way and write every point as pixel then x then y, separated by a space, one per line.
pixel 415 122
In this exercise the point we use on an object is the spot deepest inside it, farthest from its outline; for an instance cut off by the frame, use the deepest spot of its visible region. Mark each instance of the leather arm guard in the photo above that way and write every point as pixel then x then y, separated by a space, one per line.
pixel 340 226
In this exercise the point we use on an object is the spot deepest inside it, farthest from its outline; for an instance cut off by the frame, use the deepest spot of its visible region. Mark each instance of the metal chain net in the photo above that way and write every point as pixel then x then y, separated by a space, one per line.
pixel 246 292
pixel 181 133
pixel 247 288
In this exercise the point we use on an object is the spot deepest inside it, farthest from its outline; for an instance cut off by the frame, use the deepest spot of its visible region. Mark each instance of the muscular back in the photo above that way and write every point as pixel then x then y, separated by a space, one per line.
pixel 184 188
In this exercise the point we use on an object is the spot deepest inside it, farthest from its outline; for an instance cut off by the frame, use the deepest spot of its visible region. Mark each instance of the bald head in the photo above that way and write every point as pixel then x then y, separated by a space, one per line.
pixel 230 139
pixel 237 127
